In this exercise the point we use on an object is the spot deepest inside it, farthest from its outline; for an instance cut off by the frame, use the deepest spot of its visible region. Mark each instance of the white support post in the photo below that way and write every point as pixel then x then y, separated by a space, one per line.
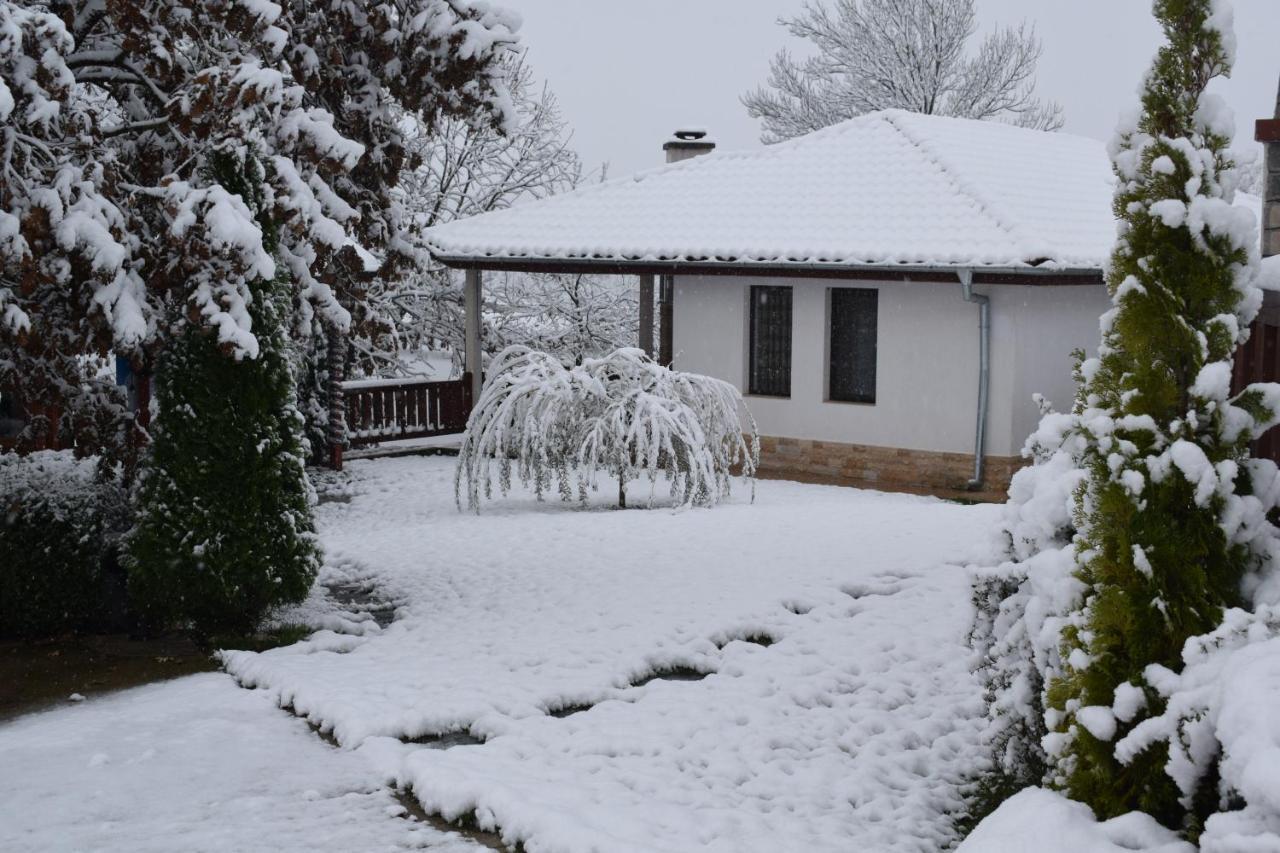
pixel 472 360
pixel 666 313
pixel 646 314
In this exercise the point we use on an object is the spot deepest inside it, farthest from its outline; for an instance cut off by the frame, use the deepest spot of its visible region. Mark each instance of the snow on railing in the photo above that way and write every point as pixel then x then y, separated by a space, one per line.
pixel 393 409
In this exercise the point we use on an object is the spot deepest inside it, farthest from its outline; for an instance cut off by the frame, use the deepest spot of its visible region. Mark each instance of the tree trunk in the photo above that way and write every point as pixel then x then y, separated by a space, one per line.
pixel 622 492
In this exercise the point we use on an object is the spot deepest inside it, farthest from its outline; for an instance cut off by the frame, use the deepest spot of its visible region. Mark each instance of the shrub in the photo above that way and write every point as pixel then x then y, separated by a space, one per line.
pixel 60 521
pixel 224 529
pixel 623 414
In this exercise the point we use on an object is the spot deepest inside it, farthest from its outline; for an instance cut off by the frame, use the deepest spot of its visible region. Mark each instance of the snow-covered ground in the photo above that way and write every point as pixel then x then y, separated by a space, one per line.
pixel 859 721
pixel 837 711
pixel 195 764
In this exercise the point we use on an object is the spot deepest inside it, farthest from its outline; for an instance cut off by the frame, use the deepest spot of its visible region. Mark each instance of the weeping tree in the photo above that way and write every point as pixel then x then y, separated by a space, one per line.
pixel 1168 526
pixel 624 415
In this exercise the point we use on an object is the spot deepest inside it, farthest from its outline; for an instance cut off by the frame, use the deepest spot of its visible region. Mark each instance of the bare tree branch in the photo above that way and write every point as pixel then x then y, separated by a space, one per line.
pixel 902 54
pixel 465 170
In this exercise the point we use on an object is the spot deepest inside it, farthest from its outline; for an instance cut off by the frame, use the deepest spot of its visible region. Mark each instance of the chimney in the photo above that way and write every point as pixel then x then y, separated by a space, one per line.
pixel 1268 133
pixel 691 142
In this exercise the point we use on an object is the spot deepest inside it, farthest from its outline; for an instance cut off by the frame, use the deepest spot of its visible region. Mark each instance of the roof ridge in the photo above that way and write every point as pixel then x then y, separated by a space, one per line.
pixel 1033 249
pixel 659 170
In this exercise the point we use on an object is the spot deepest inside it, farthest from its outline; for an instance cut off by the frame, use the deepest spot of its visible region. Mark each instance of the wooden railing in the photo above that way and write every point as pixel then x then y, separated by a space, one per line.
pixel 393 409
pixel 15 416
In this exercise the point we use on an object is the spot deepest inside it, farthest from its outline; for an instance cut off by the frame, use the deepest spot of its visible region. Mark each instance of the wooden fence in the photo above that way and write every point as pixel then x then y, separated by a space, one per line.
pixel 393 409
pixel 1259 361
pixel 15 416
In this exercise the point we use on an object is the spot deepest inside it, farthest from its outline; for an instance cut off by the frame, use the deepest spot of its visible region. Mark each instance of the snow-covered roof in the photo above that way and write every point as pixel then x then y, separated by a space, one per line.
pixel 885 189
pixel 1270 277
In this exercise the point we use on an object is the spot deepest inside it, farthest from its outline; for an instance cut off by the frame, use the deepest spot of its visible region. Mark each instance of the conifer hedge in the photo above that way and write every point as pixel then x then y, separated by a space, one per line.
pixel 1163 519
pixel 225 530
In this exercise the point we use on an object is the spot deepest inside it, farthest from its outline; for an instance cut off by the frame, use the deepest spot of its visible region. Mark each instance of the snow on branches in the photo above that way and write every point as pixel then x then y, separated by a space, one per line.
pixel 1219 715
pixel 117 119
pixel 1170 518
pixel 899 54
pixel 623 414
pixel 462 169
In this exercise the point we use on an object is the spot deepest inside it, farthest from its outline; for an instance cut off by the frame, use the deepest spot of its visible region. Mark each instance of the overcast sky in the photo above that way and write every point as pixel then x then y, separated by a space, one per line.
pixel 628 72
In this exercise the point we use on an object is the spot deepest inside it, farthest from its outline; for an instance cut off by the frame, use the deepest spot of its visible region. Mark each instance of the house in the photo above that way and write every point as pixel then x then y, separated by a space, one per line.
pixel 888 293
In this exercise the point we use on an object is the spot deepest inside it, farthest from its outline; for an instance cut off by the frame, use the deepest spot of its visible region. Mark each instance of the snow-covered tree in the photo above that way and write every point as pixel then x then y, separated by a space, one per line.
pixel 623 414
pixel 904 54
pixel 462 169
pixel 569 315
pixel 49 199
pixel 112 233
pixel 1168 519
pixel 185 183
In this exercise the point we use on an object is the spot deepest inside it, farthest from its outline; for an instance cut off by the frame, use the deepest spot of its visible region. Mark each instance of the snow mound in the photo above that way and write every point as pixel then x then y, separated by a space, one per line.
pixel 1047 822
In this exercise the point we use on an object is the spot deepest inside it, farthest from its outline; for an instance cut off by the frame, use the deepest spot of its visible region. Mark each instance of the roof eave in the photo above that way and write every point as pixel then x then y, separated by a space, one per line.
pixel 925 273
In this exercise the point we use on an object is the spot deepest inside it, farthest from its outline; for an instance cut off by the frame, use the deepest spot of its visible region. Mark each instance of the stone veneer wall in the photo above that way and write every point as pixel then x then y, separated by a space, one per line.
pixel 890 468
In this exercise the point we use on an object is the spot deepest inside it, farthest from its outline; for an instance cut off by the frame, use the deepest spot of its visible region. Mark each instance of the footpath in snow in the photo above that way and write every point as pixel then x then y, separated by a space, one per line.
pixel 813 686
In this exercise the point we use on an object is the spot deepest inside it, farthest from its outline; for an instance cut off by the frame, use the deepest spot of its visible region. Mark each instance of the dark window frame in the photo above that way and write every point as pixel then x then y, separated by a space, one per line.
pixel 853 316
pixel 771 343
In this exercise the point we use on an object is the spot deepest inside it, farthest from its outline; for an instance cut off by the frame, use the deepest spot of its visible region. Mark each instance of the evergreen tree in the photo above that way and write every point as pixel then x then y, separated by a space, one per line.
pixel 225 530
pixel 1166 527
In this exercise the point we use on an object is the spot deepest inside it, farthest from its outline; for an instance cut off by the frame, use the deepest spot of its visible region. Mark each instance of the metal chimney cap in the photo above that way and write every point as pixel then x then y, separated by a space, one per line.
pixel 688 141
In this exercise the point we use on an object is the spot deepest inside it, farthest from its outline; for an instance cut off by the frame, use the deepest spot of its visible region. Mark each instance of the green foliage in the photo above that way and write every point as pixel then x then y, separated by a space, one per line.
pixel 1165 445
pixel 225 530
pixel 1019 761
pixel 270 637
pixel 60 519
pixel 311 371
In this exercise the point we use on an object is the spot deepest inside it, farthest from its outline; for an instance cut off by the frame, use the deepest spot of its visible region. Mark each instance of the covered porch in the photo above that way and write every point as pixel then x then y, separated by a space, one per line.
pixel 382 417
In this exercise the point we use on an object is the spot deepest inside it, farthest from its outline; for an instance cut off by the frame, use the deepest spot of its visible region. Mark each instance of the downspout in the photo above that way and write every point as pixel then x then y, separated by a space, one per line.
pixel 984 375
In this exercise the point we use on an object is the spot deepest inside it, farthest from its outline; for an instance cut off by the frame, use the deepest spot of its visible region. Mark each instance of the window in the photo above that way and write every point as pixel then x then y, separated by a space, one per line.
pixel 769 374
pixel 853 345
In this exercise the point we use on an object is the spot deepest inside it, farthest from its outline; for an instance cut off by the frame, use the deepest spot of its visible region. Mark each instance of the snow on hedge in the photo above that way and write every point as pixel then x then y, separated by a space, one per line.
pixel 1023 602
pixel 1220 711
pixel 1223 709
pixel 1220 707
pixel 623 414
pixel 53 480
pixel 1047 822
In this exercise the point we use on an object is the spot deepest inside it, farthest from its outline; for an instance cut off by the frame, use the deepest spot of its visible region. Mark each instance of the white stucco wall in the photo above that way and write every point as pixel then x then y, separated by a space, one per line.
pixel 926 364
pixel 1048 323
